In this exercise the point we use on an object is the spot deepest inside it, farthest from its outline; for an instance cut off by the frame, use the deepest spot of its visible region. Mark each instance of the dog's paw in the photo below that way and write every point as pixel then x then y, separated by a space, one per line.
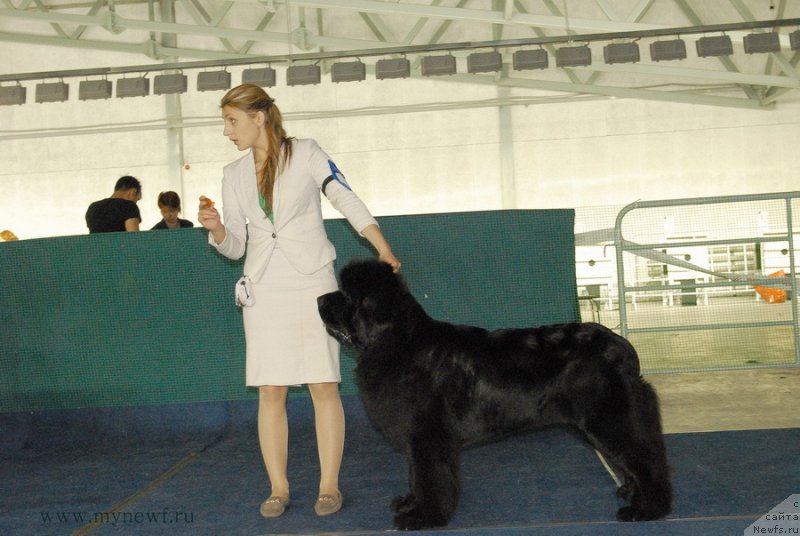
pixel 411 514
pixel 626 513
pixel 416 519
pixel 630 513
pixel 408 521
pixel 403 503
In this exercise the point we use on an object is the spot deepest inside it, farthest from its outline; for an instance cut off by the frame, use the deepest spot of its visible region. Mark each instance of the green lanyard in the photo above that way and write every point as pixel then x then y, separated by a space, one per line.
pixel 263 202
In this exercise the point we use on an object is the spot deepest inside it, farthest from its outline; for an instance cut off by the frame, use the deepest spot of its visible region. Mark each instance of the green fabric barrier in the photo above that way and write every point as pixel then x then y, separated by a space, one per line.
pixel 126 319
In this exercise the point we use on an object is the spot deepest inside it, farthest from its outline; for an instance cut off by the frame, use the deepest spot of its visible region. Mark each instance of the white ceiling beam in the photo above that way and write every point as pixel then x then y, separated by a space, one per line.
pixel 476 15
pixel 109 21
pixel 622 92
pixel 147 48
pixel 730 77
pixel 639 10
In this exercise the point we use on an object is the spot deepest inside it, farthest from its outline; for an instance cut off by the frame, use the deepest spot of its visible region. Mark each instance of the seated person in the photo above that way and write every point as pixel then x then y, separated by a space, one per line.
pixel 170 205
pixel 118 212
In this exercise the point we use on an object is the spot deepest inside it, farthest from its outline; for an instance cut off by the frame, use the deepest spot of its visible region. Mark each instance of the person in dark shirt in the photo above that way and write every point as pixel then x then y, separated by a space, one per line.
pixel 170 205
pixel 118 212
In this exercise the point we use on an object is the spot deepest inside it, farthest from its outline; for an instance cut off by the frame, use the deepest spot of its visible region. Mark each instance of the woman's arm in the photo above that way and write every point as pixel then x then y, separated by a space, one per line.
pixel 228 239
pixel 375 237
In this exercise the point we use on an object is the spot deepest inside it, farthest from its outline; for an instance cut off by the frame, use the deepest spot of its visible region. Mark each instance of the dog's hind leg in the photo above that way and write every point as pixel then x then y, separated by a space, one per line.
pixel 434 481
pixel 632 440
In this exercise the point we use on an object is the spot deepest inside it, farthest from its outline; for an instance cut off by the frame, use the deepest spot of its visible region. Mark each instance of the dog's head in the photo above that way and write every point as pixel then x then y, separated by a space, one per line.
pixel 367 304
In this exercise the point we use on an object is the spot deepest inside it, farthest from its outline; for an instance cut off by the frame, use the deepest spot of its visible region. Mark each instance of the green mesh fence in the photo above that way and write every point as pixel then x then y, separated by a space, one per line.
pixel 127 319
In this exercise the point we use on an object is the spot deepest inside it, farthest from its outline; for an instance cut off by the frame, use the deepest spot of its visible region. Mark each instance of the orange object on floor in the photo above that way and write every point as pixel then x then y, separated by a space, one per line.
pixel 772 295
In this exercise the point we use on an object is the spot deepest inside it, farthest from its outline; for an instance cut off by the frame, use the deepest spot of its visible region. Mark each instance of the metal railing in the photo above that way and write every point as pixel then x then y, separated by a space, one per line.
pixel 726 280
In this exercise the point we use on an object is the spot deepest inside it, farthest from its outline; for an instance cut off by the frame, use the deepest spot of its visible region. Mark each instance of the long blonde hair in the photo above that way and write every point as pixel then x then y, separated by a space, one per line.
pixel 251 99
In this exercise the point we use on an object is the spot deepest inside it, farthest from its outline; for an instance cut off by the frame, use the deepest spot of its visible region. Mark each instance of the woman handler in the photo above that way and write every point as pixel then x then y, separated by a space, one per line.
pixel 272 210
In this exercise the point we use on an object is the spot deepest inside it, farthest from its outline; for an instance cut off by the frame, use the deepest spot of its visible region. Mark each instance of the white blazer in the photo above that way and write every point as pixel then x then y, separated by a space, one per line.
pixel 298 229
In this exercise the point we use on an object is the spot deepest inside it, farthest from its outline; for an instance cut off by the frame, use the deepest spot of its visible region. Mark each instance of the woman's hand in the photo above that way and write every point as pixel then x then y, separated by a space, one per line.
pixel 209 217
pixel 389 258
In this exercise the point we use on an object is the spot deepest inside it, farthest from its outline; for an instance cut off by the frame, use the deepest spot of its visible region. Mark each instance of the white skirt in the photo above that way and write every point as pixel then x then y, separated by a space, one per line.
pixel 286 340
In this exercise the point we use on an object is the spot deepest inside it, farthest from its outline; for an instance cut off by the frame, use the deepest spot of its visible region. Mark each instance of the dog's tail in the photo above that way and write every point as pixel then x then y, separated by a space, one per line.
pixel 654 499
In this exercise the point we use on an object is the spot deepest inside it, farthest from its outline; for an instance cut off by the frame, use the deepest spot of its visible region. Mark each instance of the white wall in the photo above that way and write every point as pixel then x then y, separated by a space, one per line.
pixel 598 153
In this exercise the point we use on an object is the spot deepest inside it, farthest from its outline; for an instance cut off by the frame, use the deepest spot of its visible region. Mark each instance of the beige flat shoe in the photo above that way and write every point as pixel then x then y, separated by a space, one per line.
pixel 328 504
pixel 274 506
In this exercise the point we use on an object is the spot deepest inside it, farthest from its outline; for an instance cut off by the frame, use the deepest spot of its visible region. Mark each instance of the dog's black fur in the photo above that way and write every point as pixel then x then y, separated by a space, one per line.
pixel 432 388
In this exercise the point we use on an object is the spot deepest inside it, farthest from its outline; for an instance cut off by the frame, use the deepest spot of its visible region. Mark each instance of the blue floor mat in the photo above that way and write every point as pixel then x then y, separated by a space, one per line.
pixel 212 481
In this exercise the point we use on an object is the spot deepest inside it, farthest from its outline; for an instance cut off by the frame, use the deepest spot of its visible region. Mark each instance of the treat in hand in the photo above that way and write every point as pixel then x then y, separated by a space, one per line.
pixel 205 202
pixel 7 236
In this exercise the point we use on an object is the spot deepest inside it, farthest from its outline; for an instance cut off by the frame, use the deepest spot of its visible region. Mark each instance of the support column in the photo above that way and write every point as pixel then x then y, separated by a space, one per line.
pixel 508 183
pixel 174 114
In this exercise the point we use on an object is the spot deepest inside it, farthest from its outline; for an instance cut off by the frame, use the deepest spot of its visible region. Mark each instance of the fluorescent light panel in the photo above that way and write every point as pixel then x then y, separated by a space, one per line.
pixel 438 65
pixel 348 71
pixel 392 68
pixel 674 49
pixel 484 62
pixel 52 92
pixel 12 95
pixel 574 56
pixel 264 77
pixel 762 42
pixel 94 89
pixel 133 87
pixel 715 45
pixel 794 40
pixel 302 75
pixel 523 60
pixel 621 53
pixel 166 84
pixel 213 80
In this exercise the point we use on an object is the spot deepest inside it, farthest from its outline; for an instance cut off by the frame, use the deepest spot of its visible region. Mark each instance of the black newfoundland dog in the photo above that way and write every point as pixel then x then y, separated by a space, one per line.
pixel 432 388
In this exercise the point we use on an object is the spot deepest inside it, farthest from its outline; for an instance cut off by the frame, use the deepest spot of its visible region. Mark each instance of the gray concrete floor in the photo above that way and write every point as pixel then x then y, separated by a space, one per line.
pixel 696 400
pixel 729 400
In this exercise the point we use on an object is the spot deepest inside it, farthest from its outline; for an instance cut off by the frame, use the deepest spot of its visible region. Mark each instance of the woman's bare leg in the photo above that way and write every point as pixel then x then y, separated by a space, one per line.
pixel 329 421
pixel 273 436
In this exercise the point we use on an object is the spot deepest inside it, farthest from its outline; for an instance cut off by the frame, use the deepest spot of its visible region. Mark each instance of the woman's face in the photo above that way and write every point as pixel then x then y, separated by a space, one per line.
pixel 170 214
pixel 242 128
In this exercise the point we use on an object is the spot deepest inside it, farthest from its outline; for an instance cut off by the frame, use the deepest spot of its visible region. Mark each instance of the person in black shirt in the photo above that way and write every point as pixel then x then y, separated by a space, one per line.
pixel 118 212
pixel 170 205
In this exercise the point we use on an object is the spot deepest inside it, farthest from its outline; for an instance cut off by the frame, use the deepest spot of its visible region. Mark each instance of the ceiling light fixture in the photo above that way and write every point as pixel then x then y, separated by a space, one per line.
pixel 762 42
pixel 168 84
pixel 621 53
pixel 484 62
pixel 674 49
pixel 133 87
pixel 574 56
pixel 94 89
pixel 302 75
pixel 264 77
pixel 11 95
pixel 715 45
pixel 794 40
pixel 438 65
pixel 349 71
pixel 52 92
pixel 524 60
pixel 392 68
pixel 213 80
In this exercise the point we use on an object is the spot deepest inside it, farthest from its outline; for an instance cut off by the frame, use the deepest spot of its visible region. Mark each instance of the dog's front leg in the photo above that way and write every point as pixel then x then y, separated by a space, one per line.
pixel 434 482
